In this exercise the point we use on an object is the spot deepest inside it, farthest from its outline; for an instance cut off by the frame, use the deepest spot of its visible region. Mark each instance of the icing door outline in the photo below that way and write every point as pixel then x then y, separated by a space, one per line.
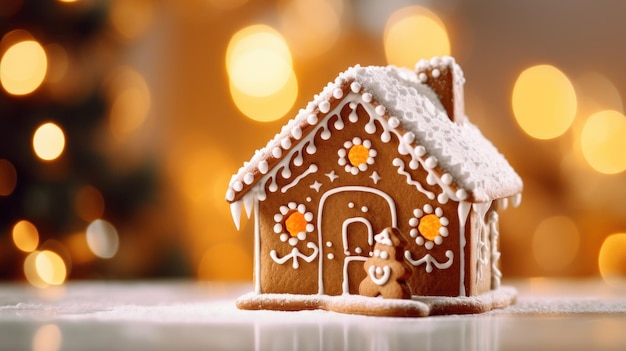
pixel 341 228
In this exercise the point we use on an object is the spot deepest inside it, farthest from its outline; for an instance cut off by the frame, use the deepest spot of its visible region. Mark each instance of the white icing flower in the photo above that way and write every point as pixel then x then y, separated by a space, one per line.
pixel 293 222
pixel 356 155
pixel 429 226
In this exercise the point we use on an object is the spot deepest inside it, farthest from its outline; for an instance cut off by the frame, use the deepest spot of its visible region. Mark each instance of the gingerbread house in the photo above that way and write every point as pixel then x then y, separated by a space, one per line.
pixel 380 147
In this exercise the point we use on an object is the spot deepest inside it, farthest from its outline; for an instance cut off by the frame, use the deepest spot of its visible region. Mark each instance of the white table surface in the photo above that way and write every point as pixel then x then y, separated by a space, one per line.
pixel 186 315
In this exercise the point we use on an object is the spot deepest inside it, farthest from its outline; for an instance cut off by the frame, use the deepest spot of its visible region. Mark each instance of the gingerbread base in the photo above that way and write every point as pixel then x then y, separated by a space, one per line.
pixel 418 306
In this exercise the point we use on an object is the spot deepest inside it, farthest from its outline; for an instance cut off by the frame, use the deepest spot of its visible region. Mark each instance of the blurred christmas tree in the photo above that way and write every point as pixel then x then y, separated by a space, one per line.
pixel 61 192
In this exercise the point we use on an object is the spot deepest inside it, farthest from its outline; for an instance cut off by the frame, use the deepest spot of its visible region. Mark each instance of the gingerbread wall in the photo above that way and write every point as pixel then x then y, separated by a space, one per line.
pixel 344 206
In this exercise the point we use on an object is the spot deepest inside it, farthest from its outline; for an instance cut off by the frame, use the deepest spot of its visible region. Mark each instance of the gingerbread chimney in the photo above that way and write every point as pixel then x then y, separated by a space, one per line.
pixel 446 79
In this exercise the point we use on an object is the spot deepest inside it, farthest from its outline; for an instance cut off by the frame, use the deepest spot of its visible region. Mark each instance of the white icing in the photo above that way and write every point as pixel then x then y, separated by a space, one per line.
pixel 312 169
pixel 383 238
pixel 400 164
pixel 430 261
pixel 332 176
pixel 248 202
pixel 235 211
pixel 355 87
pixel 481 232
pixel 346 278
pixel 257 248
pixel 384 273
pixel 463 211
pixel 494 235
pixel 295 254
pixel 324 106
pixel 344 230
pixel 316 185
pixel 375 177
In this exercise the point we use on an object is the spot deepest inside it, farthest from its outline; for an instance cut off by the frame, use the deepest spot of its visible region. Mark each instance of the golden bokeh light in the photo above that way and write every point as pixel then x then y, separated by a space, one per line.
pixel 30 271
pixel 78 249
pixel 8 177
pixel 544 102
pixel 226 261
pixel 48 337
pixel 130 99
pixel 414 33
pixel 595 92
pixel 556 242
pixel 131 18
pixel 25 236
pixel 89 203
pixel 258 61
pixel 268 108
pixel 612 258
pixel 58 63
pixel 102 238
pixel 307 35
pixel 603 141
pixel 48 141
pixel 44 268
pixel 50 267
pixel 23 67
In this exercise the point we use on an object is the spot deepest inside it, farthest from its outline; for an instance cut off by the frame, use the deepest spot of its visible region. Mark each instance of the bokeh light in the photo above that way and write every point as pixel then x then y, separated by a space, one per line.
pixel 48 337
pixel 48 141
pixel 23 67
pixel 308 36
pixel 267 108
pixel 544 102
pixel 612 258
pixel 58 63
pixel 8 177
pixel 130 101
pixel 44 268
pixel 603 141
pixel 131 18
pixel 89 203
pixel 258 60
pixel 263 84
pixel 78 249
pixel 556 243
pixel 50 267
pixel 102 238
pixel 414 33
pixel 25 236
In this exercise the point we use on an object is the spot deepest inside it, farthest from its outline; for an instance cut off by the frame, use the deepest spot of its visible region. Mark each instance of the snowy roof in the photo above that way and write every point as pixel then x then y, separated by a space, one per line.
pixel 457 149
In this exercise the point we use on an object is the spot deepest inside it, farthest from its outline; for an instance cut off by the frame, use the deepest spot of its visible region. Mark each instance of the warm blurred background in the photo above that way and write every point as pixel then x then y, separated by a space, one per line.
pixel 122 121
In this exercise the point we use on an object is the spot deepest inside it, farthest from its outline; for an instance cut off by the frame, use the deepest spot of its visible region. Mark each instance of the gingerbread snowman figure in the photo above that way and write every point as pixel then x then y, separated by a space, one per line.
pixel 386 270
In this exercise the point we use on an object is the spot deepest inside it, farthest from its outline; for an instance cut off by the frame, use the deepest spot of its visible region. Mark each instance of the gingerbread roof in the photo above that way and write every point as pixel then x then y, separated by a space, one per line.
pixel 453 149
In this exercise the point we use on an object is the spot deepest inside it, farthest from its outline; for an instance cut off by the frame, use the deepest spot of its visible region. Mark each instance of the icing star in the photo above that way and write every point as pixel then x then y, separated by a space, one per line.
pixel 375 177
pixel 332 176
pixel 317 185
